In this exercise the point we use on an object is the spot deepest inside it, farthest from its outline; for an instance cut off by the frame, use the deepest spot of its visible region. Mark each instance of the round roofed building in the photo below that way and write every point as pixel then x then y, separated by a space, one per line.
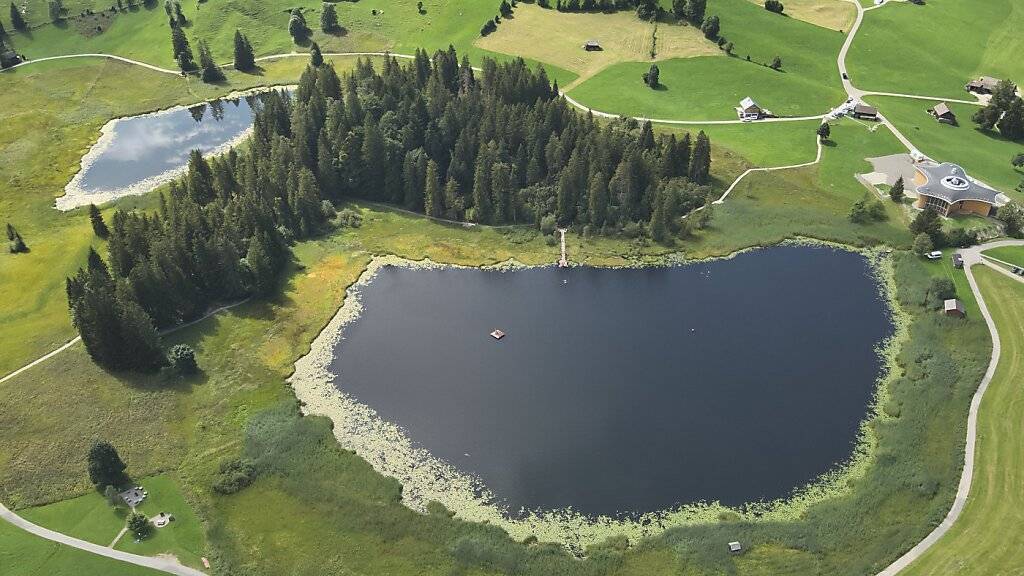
pixel 948 190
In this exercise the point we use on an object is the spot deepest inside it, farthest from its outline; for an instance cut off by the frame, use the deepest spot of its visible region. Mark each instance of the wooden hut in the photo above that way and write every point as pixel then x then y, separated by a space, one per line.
pixel 943 114
pixel 954 307
pixel 865 112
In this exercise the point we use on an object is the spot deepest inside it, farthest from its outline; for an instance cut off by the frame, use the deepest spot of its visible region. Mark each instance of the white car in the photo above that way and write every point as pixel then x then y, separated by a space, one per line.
pixel 935 255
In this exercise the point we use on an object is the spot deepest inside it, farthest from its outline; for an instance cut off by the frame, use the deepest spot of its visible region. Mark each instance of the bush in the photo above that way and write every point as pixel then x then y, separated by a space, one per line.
pixel 550 240
pixel 867 210
pixel 547 224
pixel 961 238
pixel 631 230
pixel 349 218
pixel 942 288
pixel 328 209
pixel 182 359
pixel 773 6
pixel 923 244
pixel 234 475
pixel 140 526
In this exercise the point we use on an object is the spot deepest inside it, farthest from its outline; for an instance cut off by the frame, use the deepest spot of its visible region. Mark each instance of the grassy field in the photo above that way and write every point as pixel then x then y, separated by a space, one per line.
pixel 833 14
pixel 321 510
pixel 370 25
pixel 90 517
pixel 935 48
pixel 709 88
pixel 766 144
pixel 22 554
pixel 985 155
pixel 987 538
pixel 1012 254
pixel 557 38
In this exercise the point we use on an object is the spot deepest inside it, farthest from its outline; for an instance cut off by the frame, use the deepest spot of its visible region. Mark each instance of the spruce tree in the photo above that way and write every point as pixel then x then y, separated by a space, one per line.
pixel 105 465
pixel 659 219
pixel 896 192
pixel 597 199
pixel 432 195
pixel 316 58
pixel 297 26
pixel 17 20
pixel 244 57
pixel 210 71
pixel 329 19
pixel 99 227
pixel 700 162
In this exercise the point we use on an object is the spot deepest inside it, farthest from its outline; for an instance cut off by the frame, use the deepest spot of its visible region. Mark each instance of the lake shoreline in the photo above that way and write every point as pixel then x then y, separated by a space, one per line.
pixel 75 196
pixel 426 478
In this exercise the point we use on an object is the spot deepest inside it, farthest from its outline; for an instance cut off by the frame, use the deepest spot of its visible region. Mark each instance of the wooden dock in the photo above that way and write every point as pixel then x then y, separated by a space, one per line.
pixel 563 262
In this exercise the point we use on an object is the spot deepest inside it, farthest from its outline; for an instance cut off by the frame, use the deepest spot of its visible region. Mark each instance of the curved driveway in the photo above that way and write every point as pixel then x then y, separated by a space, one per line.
pixel 163 564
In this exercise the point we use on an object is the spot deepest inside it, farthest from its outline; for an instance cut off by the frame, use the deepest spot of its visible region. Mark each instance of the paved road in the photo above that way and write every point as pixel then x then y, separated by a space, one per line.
pixel 163 564
pixel 972 257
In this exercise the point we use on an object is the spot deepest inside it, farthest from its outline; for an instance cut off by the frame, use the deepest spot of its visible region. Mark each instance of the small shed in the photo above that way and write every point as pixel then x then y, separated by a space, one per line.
pixel 497 334
pixel 865 112
pixel 592 46
pixel 954 307
pixel 749 110
pixel 735 547
pixel 983 85
pixel 943 114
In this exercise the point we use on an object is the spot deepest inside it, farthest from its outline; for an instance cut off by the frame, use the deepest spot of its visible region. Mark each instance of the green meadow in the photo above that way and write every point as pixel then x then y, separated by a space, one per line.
pixel 985 155
pixel 1010 254
pixel 986 538
pixel 91 518
pixel 319 509
pixel 935 48
pixel 709 88
pixel 142 33
pixel 24 554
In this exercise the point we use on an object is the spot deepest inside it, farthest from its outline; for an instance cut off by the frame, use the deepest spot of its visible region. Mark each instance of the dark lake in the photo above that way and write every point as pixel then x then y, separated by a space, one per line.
pixel 147 146
pixel 626 391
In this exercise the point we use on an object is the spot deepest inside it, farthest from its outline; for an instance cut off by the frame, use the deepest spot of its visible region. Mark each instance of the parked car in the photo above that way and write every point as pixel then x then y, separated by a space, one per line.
pixel 958 260
pixel 935 255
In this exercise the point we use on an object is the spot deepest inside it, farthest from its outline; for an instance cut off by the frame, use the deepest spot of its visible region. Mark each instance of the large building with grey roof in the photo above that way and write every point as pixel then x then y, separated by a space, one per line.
pixel 947 188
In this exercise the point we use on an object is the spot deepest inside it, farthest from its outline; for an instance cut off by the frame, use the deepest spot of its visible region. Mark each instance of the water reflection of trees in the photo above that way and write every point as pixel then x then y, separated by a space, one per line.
pixel 197 112
pixel 217 110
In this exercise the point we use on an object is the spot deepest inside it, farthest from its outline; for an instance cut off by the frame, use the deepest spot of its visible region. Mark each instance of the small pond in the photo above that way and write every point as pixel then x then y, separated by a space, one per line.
pixel 626 391
pixel 136 154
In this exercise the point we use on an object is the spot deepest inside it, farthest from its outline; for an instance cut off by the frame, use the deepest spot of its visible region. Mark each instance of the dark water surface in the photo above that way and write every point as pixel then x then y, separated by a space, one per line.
pixel 149 145
pixel 626 391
